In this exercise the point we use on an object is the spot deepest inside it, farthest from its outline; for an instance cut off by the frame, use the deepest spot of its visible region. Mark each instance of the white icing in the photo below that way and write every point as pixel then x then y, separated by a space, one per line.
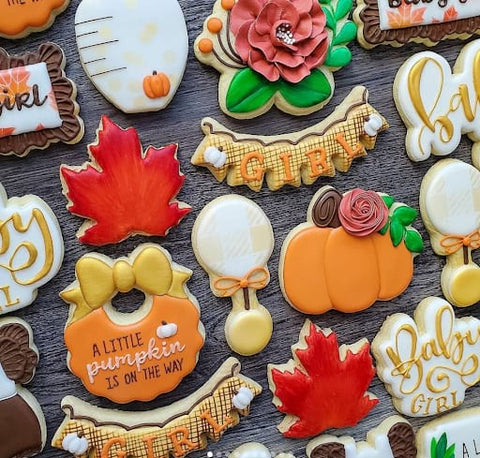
pixel 167 330
pixel 425 13
pixel 381 448
pixel 439 90
pixel 19 289
pixel 215 157
pixel 7 387
pixel 452 198
pixel 418 374
pixel 41 115
pixel 373 125
pixel 243 398
pixel 232 236
pixel 74 444
pixel 123 41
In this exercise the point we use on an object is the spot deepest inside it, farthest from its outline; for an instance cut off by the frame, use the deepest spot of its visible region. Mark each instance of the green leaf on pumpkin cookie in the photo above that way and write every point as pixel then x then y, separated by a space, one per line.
pixel 413 241
pixel 389 200
pixel 249 91
pixel 396 232
pixel 311 91
pixel 343 8
pixel 405 215
pixel 338 57
pixel 347 34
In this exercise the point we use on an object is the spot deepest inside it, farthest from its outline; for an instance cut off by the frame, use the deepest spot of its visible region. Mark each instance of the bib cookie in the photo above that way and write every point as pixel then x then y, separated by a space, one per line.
pixel 136 356
pixel 24 431
pixel 133 52
pixel 353 250
pixel 450 206
pixel 233 239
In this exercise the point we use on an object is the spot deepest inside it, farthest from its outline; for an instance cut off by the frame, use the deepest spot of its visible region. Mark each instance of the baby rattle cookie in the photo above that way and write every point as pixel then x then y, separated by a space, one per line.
pixel 38 104
pixel 21 18
pixel 233 239
pixel 134 53
pixel 136 356
pixel 353 250
pixel 280 53
pixel 428 362
pixel 256 450
pixel 24 431
pixel 31 249
pixel 175 430
pixel 450 207
pixel 324 386
pixel 397 22
pixel 123 190
pixel 393 438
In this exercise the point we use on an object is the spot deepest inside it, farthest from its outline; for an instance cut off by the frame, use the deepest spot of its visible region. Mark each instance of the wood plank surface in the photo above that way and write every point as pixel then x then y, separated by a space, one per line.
pixel 387 168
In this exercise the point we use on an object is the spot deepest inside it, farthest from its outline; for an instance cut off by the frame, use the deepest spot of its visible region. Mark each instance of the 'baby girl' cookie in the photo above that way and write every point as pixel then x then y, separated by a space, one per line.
pixel 279 53
pixel 450 206
pixel 428 362
pixel 37 101
pixel 23 432
pixel 133 52
pixel 324 385
pixel 31 249
pixel 136 356
pixel 177 430
pixel 233 240
pixel 353 250
pixel 123 190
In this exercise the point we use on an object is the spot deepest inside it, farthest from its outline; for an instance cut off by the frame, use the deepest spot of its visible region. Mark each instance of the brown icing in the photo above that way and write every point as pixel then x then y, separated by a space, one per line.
pixel 430 32
pixel 329 450
pixel 71 128
pixel 20 431
pixel 402 441
pixel 325 209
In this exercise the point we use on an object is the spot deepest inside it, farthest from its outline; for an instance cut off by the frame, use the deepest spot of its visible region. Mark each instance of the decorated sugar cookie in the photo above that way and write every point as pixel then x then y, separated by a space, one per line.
pixel 23 432
pixel 353 250
pixel 20 18
pixel 136 356
pixel 451 435
pixel 397 22
pixel 428 362
pixel 279 53
pixel 133 52
pixel 394 438
pixel 233 240
pixel 291 159
pixel 450 206
pixel 123 190
pixel 37 101
pixel 31 249
pixel 437 105
pixel 324 385
pixel 176 430
pixel 256 450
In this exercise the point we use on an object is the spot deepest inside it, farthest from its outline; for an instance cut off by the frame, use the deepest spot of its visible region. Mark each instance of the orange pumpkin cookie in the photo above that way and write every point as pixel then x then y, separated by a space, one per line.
pixel 353 250
pixel 136 356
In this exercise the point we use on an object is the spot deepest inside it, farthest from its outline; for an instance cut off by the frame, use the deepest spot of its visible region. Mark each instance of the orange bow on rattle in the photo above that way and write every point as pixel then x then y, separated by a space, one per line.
pixel 256 278
pixel 454 243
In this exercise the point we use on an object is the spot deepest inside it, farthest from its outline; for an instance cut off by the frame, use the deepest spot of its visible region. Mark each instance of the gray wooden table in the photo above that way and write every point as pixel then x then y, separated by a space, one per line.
pixel 386 169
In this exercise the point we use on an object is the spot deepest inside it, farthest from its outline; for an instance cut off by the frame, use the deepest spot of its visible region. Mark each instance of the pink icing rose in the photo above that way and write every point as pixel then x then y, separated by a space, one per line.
pixel 280 38
pixel 362 212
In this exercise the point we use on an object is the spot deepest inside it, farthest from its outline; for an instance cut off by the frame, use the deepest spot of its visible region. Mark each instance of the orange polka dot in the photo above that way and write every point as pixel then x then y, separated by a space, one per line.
pixel 205 45
pixel 214 25
pixel 228 4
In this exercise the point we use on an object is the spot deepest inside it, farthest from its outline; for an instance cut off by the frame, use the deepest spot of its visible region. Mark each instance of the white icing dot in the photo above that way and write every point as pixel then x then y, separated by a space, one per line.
pixel 74 444
pixel 373 125
pixel 215 157
pixel 243 398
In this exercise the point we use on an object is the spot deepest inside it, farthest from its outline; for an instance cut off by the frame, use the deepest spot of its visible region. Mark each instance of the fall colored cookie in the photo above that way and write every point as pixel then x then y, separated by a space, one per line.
pixel 450 206
pixel 353 250
pixel 439 105
pixel 176 430
pixel 31 249
pixel 134 52
pixel 20 18
pixel 394 438
pixel 233 239
pixel 37 101
pixel 123 190
pixel 256 450
pixel 397 22
pixel 136 356
pixel 294 158
pixel 279 53
pixel 428 362
pixel 23 432
pixel 324 385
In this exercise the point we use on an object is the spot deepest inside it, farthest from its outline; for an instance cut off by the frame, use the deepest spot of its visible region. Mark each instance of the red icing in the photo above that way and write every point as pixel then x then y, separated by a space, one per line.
pixel 326 392
pixel 124 191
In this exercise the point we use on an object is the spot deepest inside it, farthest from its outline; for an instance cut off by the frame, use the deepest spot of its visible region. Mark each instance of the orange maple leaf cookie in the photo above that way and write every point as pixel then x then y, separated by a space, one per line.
pixel 122 190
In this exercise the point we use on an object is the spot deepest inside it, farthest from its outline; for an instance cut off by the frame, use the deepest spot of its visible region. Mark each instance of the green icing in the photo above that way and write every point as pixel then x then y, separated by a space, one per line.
pixel 311 91
pixel 440 448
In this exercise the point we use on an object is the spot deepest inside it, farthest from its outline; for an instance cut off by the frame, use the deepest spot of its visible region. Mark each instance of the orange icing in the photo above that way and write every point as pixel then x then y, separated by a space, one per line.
pixel 205 45
pixel 327 268
pixel 89 340
pixel 214 25
pixel 228 4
